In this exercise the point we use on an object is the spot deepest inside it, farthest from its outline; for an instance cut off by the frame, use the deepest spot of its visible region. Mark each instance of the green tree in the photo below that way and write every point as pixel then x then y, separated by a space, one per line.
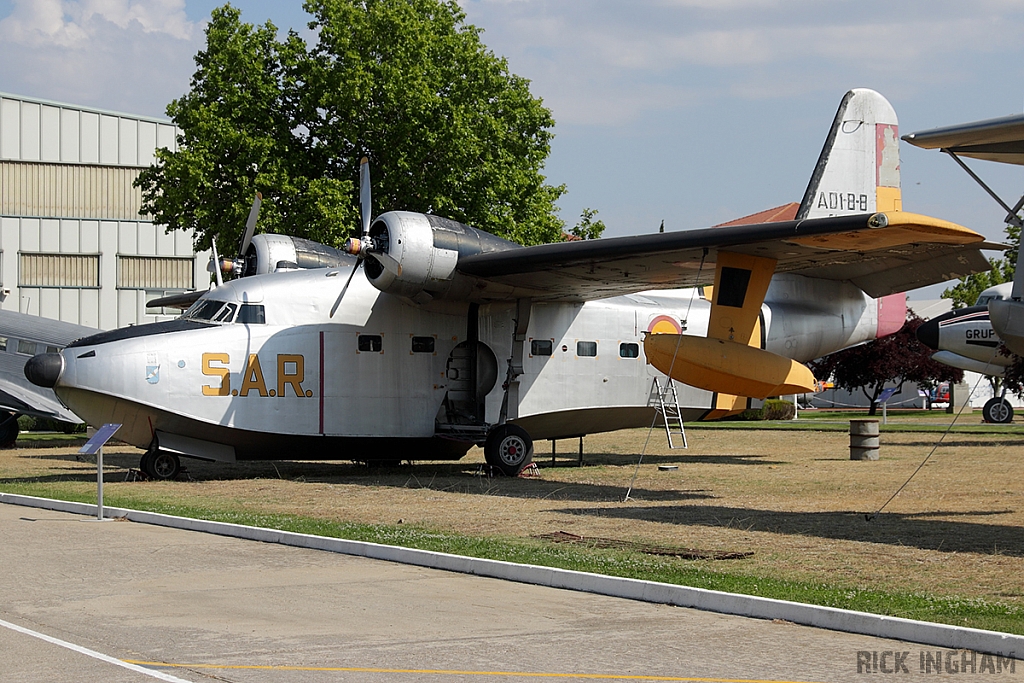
pixel 587 228
pixel 966 292
pixel 447 127
pixel 895 359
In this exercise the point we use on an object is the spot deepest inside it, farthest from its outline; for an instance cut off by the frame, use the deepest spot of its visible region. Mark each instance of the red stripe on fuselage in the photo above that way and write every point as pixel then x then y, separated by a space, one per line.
pixel 321 382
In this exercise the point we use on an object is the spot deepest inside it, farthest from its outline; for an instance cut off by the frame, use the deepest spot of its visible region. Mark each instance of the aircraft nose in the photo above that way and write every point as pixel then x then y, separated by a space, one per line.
pixel 44 369
pixel 928 334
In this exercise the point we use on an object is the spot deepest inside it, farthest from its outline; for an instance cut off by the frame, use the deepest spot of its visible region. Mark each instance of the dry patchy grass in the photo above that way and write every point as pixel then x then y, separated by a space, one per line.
pixel 793 498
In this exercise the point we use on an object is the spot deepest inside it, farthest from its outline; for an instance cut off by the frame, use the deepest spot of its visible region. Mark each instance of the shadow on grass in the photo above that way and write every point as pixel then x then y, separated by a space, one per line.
pixel 918 530
pixel 457 477
pixel 663 459
pixel 959 443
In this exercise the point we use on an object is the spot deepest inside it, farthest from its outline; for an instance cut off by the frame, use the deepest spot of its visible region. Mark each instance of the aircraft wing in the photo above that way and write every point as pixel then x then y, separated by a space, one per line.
pixel 881 253
pixel 37 334
pixel 33 401
pixel 1000 139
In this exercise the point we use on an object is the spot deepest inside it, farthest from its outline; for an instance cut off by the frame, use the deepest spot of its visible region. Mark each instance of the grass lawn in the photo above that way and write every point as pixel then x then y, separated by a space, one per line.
pixel 949 548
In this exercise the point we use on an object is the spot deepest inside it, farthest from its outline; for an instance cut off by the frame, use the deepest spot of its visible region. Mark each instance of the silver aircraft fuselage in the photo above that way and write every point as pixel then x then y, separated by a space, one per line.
pixel 965 338
pixel 260 368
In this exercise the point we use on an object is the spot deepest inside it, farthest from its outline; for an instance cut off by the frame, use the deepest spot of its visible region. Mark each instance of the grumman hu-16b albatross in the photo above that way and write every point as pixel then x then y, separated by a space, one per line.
pixel 451 336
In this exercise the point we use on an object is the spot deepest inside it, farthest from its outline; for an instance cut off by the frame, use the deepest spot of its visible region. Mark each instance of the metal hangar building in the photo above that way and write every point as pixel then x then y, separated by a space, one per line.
pixel 73 246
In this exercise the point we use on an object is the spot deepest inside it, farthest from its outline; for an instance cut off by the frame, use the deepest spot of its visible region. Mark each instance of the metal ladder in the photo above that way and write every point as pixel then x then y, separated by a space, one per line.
pixel 668 408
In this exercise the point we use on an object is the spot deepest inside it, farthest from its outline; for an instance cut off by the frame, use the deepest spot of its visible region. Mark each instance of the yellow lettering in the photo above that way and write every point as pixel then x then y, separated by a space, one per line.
pixel 225 375
pixel 285 378
pixel 253 377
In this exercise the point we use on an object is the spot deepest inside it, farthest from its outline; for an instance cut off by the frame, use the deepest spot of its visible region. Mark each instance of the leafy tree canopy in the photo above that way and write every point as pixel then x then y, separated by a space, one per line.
pixel 966 292
pixel 448 129
pixel 890 360
pixel 589 226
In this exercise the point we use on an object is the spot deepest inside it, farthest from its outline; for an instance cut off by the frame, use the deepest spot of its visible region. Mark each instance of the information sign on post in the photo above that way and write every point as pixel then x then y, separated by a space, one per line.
pixel 883 398
pixel 94 446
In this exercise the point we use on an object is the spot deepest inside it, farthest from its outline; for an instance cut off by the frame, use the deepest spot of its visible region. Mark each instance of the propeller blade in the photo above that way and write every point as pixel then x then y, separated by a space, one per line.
pixel 216 264
pixel 364 195
pixel 388 261
pixel 344 289
pixel 250 225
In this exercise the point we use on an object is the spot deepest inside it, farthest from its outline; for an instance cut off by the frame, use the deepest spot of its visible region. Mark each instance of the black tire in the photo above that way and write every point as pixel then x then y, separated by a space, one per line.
pixel 508 449
pixel 997 411
pixel 8 429
pixel 160 465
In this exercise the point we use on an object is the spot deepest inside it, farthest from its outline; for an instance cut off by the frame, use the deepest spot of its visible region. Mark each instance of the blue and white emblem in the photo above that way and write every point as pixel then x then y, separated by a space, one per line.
pixel 152 368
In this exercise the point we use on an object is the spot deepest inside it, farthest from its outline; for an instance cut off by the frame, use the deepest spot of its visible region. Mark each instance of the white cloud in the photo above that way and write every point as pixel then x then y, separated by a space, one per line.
pixel 40 22
pixel 610 62
pixel 72 23
pixel 154 16
pixel 130 55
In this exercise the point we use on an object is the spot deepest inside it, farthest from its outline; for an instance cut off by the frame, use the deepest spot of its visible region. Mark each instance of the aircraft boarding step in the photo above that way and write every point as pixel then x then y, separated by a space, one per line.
pixel 668 408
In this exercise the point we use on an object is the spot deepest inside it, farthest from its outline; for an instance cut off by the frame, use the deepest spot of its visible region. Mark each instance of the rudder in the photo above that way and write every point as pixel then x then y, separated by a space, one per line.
pixel 858 170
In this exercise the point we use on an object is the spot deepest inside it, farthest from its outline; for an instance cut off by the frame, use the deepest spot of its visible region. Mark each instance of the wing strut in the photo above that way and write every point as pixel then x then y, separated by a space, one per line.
pixel 1011 217
pixel 730 360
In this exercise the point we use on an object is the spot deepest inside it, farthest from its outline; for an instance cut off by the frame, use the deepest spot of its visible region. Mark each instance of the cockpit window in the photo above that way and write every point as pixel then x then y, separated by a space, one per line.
pixel 252 314
pixel 983 300
pixel 206 309
pixel 225 315
pixel 224 312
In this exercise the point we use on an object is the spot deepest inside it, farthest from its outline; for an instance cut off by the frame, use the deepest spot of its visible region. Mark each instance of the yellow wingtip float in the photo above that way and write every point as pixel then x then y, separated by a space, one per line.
pixel 727 367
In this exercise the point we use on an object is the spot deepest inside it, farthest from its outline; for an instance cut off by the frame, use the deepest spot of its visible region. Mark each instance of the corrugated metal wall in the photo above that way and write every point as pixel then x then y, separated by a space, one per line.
pixel 72 244
pixel 69 191
pixel 149 272
pixel 36 130
pixel 59 270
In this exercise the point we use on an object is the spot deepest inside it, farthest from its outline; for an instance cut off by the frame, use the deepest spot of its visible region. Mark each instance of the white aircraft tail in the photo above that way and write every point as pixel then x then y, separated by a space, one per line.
pixel 859 167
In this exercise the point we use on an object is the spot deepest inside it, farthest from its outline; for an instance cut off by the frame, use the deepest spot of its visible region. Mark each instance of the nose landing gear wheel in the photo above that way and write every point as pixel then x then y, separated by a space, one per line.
pixel 508 449
pixel 997 410
pixel 160 465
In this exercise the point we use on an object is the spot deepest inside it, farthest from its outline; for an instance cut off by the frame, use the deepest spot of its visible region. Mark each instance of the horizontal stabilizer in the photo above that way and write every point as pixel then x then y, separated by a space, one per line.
pixel 727 367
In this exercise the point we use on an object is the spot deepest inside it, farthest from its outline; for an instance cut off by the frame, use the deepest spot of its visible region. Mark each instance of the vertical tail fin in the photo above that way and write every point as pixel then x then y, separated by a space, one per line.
pixel 858 170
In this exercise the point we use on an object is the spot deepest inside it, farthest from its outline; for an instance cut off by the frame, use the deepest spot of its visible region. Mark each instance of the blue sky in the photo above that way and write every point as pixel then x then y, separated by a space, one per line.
pixel 691 111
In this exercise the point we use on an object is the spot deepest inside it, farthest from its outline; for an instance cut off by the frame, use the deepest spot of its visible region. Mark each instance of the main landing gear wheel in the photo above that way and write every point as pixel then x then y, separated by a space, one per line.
pixel 160 465
pixel 509 449
pixel 997 410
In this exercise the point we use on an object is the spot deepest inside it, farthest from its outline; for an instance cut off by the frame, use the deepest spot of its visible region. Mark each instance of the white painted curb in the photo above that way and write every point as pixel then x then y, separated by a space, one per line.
pixel 940 635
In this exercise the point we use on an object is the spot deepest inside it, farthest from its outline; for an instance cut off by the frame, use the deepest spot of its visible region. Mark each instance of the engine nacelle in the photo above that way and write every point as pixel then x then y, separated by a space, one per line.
pixel 428 249
pixel 269 253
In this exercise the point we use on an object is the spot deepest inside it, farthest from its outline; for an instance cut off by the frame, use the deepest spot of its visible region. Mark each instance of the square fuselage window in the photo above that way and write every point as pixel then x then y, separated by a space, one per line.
pixel 629 350
pixel 540 347
pixel 586 348
pixel 370 343
pixel 422 344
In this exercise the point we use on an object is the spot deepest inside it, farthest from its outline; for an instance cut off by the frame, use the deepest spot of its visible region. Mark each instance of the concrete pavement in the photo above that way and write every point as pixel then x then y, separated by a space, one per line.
pixel 219 608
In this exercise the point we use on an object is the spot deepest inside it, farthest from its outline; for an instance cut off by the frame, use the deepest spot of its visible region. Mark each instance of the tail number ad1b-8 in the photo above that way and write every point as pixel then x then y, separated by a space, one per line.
pixel 290 372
